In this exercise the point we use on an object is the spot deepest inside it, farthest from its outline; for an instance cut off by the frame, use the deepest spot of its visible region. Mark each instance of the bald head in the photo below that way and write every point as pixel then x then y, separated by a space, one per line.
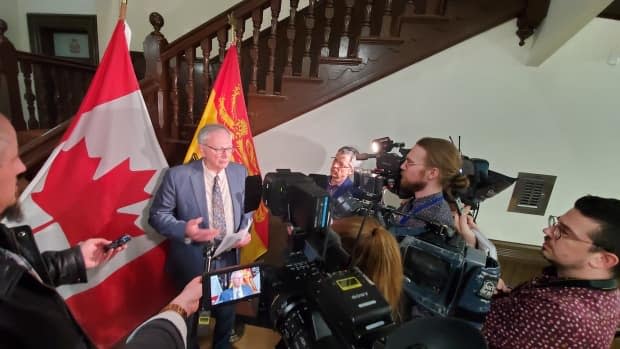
pixel 6 132
pixel 10 165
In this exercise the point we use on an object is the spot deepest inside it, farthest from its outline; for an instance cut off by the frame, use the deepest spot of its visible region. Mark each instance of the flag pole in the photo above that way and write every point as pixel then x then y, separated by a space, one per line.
pixel 233 28
pixel 123 11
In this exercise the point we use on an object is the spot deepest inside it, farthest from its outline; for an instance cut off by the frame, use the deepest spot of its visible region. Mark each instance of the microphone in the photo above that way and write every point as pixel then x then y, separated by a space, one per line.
pixel 365 156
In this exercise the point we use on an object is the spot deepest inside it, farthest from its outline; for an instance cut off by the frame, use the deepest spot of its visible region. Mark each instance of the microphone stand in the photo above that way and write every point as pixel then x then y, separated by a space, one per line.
pixel 208 249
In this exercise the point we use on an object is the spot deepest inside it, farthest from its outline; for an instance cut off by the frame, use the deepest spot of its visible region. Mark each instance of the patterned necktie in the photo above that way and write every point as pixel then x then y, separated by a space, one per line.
pixel 217 202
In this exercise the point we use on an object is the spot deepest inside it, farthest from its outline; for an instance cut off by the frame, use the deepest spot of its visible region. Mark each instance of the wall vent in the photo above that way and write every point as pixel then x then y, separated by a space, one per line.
pixel 531 193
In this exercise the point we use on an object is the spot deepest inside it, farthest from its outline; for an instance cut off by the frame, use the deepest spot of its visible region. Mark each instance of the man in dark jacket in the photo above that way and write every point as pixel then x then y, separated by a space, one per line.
pixel 32 313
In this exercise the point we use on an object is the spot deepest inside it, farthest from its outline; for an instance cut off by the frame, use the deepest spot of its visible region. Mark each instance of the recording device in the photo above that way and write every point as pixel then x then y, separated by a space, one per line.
pixel 231 285
pixel 308 304
pixel 447 278
pixel 117 243
pixel 483 183
pixel 386 173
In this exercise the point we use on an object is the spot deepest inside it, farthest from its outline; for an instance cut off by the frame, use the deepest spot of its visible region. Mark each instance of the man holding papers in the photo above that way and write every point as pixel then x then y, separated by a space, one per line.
pixel 202 202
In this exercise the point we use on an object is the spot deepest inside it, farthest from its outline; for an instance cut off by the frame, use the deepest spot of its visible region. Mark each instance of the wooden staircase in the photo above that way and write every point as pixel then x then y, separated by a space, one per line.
pixel 318 53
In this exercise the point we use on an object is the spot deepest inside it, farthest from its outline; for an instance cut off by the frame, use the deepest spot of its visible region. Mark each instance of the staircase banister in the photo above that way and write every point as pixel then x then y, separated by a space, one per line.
pixel 41 147
pixel 35 58
pixel 192 39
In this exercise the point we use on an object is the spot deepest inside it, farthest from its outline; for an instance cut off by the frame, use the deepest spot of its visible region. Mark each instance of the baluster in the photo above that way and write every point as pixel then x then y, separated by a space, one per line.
pixel 222 39
pixel 257 20
pixel 345 38
pixel 409 9
pixel 386 23
pixel 190 58
pixel 205 46
pixel 271 45
pixel 329 15
pixel 435 7
pixel 307 60
pixel 367 17
pixel 290 36
pixel 26 68
pixel 240 29
pixel 174 95
pixel 70 94
pixel 42 93
pixel 56 108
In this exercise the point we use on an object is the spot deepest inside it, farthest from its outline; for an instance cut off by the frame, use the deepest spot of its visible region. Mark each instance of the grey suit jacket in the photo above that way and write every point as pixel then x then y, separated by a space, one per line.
pixel 181 197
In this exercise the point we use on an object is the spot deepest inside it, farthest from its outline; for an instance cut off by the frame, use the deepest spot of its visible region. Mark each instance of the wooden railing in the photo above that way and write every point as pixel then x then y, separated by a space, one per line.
pixel 323 32
pixel 52 88
pixel 320 51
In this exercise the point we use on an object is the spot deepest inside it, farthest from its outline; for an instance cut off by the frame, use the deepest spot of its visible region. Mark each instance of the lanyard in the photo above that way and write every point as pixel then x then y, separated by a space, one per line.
pixel 416 210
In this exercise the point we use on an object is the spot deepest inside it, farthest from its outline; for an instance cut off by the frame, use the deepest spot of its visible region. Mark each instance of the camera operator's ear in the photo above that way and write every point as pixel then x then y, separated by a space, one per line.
pixel 253 193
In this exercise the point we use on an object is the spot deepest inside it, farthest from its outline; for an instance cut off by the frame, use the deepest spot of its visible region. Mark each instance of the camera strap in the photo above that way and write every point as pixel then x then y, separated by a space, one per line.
pixel 604 285
pixel 416 210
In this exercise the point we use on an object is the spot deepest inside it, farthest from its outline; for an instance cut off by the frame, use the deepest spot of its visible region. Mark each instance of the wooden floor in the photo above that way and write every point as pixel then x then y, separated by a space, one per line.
pixel 253 338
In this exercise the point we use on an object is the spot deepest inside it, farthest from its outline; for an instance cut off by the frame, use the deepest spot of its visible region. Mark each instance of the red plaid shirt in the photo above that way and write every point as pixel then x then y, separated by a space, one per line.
pixel 539 315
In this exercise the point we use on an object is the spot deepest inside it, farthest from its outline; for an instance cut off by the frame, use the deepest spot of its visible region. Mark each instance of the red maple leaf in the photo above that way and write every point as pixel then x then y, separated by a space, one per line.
pixel 85 207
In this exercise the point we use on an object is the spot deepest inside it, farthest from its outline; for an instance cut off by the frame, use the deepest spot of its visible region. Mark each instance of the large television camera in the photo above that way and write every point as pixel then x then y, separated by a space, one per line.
pixel 483 182
pixel 443 276
pixel 310 304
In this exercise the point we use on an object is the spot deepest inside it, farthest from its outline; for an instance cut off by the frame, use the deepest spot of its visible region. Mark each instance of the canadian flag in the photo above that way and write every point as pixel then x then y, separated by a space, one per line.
pixel 98 182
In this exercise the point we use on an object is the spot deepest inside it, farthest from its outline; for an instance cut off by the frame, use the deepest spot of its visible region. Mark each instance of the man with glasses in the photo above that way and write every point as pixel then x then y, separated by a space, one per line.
pixel 576 302
pixel 200 202
pixel 431 168
pixel 341 171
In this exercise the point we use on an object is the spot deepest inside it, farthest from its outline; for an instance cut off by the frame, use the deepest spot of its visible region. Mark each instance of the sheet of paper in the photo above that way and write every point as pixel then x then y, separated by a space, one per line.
pixel 231 240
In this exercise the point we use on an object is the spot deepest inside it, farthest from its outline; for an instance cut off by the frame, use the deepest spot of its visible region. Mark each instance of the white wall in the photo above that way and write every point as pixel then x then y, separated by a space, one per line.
pixel 559 119
pixel 8 12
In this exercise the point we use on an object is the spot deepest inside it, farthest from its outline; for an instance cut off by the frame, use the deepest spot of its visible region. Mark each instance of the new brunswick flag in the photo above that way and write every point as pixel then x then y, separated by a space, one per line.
pixel 226 106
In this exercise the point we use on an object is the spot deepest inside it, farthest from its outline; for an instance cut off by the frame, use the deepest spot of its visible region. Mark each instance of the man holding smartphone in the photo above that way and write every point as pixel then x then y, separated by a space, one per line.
pixel 32 313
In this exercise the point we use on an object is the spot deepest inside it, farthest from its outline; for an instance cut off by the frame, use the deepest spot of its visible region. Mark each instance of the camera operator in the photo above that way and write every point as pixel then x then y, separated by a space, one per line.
pixel 576 302
pixel 431 168
pixel 341 171
pixel 375 251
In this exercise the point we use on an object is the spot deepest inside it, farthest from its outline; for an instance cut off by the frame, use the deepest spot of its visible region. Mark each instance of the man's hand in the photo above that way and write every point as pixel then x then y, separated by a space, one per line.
pixel 502 287
pixel 189 298
pixel 464 224
pixel 195 233
pixel 246 240
pixel 94 253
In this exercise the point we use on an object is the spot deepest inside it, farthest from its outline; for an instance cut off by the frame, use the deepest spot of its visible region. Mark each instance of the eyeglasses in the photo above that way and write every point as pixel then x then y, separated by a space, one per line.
pixel 558 231
pixel 340 169
pixel 219 150
pixel 412 163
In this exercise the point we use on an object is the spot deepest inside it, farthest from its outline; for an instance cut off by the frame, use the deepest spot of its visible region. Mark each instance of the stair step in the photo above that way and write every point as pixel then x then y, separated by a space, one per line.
pixel 341 61
pixel 423 18
pixel 267 96
pixel 311 79
pixel 380 40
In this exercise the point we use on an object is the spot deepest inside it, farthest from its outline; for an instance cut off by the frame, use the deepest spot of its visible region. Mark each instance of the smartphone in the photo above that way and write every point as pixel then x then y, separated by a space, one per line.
pixel 118 242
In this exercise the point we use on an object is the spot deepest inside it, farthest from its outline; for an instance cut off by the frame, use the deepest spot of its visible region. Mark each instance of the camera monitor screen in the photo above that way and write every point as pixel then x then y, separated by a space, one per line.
pixel 234 284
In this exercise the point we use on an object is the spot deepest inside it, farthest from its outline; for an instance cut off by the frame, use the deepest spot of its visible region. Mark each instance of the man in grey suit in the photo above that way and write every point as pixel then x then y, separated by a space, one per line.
pixel 201 202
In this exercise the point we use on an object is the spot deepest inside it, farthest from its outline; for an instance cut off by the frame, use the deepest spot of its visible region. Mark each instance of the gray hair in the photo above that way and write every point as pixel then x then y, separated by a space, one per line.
pixel 207 130
pixel 351 152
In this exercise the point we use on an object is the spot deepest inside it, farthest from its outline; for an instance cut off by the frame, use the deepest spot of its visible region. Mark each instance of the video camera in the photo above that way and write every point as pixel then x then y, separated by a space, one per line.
pixel 483 182
pixel 310 306
pixel 443 276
